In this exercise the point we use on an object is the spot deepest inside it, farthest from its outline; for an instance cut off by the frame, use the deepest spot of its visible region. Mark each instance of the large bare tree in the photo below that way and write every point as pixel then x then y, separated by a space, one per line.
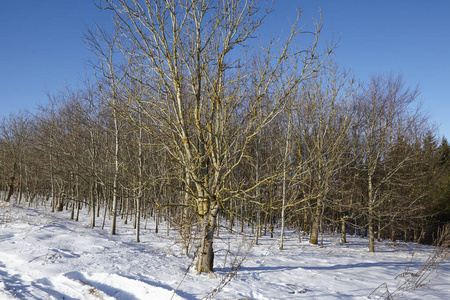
pixel 204 86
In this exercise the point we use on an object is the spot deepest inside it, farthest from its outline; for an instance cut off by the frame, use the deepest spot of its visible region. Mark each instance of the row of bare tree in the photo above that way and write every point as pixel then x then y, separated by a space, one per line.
pixel 190 118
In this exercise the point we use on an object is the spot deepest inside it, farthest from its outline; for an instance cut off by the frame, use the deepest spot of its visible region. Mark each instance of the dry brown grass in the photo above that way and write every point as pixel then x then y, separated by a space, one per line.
pixel 422 277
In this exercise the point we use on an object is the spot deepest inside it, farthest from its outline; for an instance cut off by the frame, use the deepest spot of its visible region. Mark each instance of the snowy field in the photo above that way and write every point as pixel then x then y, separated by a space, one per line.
pixel 49 256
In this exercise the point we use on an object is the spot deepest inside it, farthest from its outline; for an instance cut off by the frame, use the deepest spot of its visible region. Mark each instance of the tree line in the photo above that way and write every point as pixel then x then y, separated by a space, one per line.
pixel 191 119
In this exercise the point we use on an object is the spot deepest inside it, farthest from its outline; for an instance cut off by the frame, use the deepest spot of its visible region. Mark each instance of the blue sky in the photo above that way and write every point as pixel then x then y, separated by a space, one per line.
pixel 41 46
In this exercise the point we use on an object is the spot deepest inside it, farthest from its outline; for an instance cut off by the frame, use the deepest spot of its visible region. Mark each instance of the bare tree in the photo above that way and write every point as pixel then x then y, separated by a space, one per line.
pixel 286 165
pixel 203 94
pixel 325 118
pixel 386 115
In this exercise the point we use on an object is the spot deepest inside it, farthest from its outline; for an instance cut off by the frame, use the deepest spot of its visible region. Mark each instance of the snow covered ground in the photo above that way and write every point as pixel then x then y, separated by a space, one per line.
pixel 49 256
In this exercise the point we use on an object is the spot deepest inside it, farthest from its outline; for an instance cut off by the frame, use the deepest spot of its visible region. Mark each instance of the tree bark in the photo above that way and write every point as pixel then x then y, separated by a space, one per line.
pixel 343 235
pixel 116 172
pixel 205 261
pixel 370 218
pixel 11 184
pixel 314 238
pixel 93 205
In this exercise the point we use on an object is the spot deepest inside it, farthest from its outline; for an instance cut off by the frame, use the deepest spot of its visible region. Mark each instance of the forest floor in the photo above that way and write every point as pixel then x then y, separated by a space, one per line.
pixel 46 255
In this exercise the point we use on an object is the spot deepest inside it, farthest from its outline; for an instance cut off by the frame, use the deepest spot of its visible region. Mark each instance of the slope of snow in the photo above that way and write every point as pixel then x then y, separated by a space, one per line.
pixel 49 256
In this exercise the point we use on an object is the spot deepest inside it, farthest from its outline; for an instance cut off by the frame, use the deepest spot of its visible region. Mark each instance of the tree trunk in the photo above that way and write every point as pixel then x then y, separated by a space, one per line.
pixel 283 207
pixel 11 184
pixel 138 218
pixel 104 213
pixel 72 209
pixel 242 217
pixel 157 213
pixel 392 232
pixel 205 261
pixel 379 231
pixel 20 187
pixel 77 216
pixel 93 206
pixel 306 224
pixel 116 173
pixel 258 194
pixel 371 234
pixel 52 180
pixel 314 238
pixel 343 236
pixel 60 202
pixel 370 221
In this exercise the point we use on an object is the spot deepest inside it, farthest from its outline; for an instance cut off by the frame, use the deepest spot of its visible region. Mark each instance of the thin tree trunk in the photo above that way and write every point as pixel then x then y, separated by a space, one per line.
pixel 343 235
pixel 370 221
pixel 321 231
pixel 116 172
pixel 392 226
pixel 168 222
pixel 258 199
pixel 104 213
pixel 98 194
pixel 283 207
pixel 72 209
pixel 242 216
pixel 78 202
pixel 20 187
pixel 157 212
pixel 139 196
pixel 379 231
pixel 93 205
pixel 138 218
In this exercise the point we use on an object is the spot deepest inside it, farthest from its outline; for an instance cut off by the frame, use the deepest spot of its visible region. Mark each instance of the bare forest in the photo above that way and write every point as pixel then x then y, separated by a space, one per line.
pixel 191 119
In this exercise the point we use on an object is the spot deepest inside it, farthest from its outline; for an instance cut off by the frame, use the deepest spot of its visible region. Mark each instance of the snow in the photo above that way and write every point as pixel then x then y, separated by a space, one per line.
pixel 46 255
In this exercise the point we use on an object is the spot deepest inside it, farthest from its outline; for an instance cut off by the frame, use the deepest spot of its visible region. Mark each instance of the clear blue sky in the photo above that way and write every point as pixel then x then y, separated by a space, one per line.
pixel 41 45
